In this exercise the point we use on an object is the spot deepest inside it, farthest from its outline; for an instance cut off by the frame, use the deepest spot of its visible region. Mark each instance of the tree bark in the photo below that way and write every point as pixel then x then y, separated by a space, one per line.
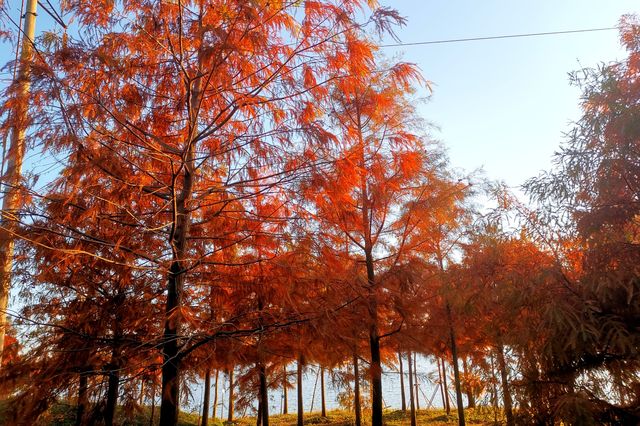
pixel 259 414
pixel 215 396
pixel 230 413
pixel 506 391
pixel 356 391
pixel 402 395
pixel 264 396
pixel 470 396
pixel 440 384
pixel 153 403
pixel 374 343
pixel 415 379
pixel 300 402
pixel 112 393
pixel 207 394
pixel 323 408
pixel 83 399
pixel 411 398
pixel 445 387
pixel 456 368
pixel 285 391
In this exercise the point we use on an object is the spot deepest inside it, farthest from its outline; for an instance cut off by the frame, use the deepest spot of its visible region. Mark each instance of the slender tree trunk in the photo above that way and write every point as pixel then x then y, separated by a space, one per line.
pixel 440 384
pixel 285 391
pixel 300 402
pixel 415 379
pixel 83 399
pixel 411 397
pixel 259 415
pixel 445 387
pixel 264 396
pixel 230 413
pixel 470 396
pixel 456 368
pixel 356 391
pixel 323 408
pixel 153 403
pixel 11 201
pixel 506 391
pixel 215 396
pixel 207 394
pixel 141 400
pixel 402 395
pixel 374 344
pixel 112 394
pixel 494 383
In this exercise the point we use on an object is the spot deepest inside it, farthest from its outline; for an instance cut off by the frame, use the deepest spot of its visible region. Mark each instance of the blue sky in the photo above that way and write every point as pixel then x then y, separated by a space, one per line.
pixel 504 104
pixel 501 104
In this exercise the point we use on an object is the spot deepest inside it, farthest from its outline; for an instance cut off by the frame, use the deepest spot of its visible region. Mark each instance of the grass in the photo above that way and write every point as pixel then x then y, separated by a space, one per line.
pixel 63 414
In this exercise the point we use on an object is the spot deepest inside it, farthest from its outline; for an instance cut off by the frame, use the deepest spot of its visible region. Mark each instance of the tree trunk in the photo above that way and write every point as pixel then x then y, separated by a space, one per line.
pixel 112 394
pixel 440 384
pixel 215 396
pixel 207 394
pixel 323 408
pixel 285 391
pixel 83 399
pixel 264 396
pixel 470 396
pixel 494 383
pixel 356 391
pixel 456 368
pixel 179 235
pixel 374 344
pixel 259 414
pixel 415 379
pixel 445 387
pixel 506 391
pixel 230 413
pixel 300 402
pixel 141 400
pixel 153 403
pixel 402 395
pixel 411 398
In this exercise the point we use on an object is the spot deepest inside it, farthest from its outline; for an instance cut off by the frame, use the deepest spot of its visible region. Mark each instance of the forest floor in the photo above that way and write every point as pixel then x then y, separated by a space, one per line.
pixel 64 415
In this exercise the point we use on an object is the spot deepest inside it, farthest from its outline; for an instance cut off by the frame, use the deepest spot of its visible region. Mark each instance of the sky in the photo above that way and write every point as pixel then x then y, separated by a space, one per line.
pixel 499 105
pixel 503 105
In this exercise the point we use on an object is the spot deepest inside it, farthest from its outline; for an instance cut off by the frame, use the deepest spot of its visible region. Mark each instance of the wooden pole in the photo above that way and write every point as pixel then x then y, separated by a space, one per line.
pixel 12 180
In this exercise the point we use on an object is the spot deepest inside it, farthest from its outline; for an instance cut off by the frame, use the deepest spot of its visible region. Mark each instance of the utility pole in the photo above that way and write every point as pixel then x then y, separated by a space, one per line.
pixel 15 155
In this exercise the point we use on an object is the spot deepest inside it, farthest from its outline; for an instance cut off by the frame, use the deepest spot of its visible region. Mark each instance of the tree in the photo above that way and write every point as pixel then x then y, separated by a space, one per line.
pixel 374 158
pixel 182 109
pixel 592 194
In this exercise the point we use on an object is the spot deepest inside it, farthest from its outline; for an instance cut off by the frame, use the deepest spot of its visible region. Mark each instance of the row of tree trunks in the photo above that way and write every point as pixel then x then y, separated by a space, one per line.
pixel 263 414
pixel 83 416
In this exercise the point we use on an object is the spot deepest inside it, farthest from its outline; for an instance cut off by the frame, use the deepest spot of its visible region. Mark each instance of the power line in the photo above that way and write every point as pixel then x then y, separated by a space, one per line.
pixel 461 40
pixel 56 17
